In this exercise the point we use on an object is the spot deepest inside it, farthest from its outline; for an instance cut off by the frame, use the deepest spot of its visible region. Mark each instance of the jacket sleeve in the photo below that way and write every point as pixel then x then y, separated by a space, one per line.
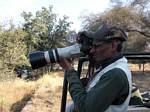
pixel 102 95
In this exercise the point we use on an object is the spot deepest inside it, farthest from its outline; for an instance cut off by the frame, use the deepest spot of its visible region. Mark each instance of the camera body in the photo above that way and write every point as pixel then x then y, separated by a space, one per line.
pixel 81 48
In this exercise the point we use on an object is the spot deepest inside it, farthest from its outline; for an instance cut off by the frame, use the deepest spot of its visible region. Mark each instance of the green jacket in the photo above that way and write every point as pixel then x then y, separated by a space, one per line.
pixel 112 89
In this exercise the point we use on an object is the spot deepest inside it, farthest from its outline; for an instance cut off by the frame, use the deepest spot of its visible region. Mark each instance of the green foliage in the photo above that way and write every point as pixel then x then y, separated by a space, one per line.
pixel 44 30
pixel 13 49
pixel 40 32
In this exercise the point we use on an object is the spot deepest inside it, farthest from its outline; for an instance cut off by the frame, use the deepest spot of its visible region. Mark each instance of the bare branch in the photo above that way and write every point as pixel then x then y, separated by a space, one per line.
pixel 144 33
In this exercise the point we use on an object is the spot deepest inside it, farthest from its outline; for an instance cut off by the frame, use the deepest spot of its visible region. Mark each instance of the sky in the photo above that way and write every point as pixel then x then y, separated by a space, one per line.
pixel 11 9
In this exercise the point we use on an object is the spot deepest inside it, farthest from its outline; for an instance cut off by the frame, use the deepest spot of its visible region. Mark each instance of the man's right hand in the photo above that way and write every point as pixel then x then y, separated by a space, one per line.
pixel 64 63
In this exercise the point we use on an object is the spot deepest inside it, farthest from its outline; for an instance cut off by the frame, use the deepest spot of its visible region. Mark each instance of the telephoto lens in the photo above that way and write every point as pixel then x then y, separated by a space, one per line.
pixel 39 58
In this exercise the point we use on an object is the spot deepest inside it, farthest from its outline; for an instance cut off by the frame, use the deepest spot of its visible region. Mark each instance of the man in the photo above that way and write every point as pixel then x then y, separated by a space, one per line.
pixel 109 89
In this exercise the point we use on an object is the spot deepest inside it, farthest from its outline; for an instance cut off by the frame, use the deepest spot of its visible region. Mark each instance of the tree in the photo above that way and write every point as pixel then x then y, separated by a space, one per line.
pixel 39 32
pixel 44 29
pixel 13 50
pixel 130 18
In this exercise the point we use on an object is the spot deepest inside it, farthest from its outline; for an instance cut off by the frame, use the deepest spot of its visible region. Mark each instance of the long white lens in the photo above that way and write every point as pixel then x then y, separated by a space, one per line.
pixel 40 59
pixel 69 52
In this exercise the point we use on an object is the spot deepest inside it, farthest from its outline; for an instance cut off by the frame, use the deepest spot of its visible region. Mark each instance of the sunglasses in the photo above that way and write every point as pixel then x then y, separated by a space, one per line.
pixel 100 44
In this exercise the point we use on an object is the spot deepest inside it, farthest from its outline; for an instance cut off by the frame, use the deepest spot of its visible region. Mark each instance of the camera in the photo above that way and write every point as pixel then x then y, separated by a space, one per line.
pixel 80 48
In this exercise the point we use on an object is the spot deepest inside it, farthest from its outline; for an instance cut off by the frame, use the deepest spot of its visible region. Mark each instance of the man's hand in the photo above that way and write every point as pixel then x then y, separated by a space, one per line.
pixel 64 63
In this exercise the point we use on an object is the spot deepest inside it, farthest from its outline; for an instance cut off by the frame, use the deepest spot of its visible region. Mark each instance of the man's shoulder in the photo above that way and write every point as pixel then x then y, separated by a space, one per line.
pixel 118 78
pixel 116 73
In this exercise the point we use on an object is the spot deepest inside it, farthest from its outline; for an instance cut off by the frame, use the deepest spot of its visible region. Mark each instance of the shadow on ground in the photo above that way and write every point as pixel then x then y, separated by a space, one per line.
pixel 18 106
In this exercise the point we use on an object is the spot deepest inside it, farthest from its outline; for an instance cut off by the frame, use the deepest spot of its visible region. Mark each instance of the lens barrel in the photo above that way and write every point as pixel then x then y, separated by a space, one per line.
pixel 37 59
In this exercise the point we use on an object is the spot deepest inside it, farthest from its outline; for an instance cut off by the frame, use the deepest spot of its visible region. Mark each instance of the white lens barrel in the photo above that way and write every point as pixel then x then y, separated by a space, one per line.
pixel 52 56
pixel 70 51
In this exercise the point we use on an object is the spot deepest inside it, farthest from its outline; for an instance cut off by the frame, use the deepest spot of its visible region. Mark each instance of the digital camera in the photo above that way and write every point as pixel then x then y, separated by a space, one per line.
pixel 80 48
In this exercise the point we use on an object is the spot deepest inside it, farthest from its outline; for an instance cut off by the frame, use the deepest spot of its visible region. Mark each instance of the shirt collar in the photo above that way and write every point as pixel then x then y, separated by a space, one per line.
pixel 110 60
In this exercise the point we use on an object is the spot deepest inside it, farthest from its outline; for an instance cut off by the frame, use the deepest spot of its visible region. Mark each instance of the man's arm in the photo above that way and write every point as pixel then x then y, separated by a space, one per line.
pixel 101 95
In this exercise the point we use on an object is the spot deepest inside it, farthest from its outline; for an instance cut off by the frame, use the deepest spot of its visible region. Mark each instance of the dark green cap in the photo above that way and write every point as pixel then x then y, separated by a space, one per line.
pixel 106 33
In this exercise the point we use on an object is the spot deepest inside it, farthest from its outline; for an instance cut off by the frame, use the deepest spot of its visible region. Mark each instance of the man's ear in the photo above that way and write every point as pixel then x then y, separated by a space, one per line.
pixel 114 45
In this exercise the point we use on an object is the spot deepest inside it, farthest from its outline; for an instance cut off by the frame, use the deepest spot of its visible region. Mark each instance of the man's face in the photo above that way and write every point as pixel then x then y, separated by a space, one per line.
pixel 101 50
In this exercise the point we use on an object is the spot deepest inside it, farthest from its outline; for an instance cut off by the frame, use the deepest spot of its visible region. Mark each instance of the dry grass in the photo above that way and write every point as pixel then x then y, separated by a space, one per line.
pixel 11 92
pixel 15 94
pixel 137 67
pixel 47 96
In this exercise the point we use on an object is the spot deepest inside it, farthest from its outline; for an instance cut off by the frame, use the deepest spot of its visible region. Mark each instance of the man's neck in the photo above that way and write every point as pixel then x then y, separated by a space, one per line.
pixel 108 61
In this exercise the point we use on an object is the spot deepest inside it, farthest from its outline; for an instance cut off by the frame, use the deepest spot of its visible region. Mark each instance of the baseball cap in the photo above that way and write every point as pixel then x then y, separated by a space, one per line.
pixel 106 33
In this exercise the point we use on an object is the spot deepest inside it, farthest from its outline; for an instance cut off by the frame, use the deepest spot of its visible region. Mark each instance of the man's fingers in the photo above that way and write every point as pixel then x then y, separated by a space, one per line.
pixel 65 64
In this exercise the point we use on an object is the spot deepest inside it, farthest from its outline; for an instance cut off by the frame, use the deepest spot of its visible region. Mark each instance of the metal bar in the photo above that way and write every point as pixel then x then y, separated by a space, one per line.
pixel 136 53
pixel 64 94
pixel 138 56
